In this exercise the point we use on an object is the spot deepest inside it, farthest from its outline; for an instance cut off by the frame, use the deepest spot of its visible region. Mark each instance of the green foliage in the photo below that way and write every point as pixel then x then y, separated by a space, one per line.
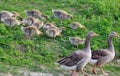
pixel 101 16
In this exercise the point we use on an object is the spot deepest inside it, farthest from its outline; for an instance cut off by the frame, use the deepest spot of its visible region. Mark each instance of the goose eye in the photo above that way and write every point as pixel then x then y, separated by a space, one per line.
pixel 113 33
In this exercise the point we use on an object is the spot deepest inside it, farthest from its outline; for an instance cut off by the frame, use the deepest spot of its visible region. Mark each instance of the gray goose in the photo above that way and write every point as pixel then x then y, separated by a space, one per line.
pixel 61 15
pixel 11 21
pixel 103 56
pixel 29 31
pixel 36 14
pixel 76 25
pixel 75 41
pixel 77 60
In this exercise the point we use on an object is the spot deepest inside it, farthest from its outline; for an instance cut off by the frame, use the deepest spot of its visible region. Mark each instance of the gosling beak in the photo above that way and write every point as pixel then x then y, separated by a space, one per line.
pixel 83 27
pixel 72 18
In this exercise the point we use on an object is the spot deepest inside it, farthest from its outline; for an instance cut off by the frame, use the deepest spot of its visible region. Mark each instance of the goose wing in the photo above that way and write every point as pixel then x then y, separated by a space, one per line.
pixel 71 59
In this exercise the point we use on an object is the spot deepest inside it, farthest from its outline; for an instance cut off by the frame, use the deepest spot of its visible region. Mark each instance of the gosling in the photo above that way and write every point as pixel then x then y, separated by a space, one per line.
pixel 75 41
pixel 29 31
pixel 53 32
pixel 62 15
pixel 36 14
pixel 76 25
pixel 10 21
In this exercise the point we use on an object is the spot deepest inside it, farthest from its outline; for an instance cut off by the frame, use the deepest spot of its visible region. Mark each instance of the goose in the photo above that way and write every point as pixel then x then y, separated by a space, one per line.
pixel 75 41
pixel 36 13
pixel 61 15
pixel 29 31
pixel 10 21
pixel 76 25
pixel 77 60
pixel 53 32
pixel 103 56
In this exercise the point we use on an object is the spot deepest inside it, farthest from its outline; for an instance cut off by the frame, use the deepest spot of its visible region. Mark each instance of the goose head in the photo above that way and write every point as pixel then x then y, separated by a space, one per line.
pixel 18 16
pixel 113 34
pixel 92 34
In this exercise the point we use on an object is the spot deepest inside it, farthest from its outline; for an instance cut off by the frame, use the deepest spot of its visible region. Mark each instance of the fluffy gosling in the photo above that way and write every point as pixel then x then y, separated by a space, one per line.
pixel 17 15
pixel 61 15
pixel 36 14
pixel 5 14
pixel 53 32
pixel 38 24
pixel 10 21
pixel 29 31
pixel 49 25
pixel 76 25
pixel 75 41
pixel 29 20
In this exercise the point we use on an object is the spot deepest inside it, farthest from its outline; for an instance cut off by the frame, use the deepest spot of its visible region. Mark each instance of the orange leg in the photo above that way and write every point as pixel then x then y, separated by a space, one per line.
pixel 94 69
pixel 74 73
pixel 84 73
pixel 101 68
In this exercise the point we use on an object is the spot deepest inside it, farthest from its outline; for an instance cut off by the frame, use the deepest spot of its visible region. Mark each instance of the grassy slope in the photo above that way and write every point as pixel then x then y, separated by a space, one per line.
pixel 101 16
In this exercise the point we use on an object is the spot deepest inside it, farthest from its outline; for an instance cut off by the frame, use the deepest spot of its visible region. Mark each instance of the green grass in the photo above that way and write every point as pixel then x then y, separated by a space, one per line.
pixel 101 16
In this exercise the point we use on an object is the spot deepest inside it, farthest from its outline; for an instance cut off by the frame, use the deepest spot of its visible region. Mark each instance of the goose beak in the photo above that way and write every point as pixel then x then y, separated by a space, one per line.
pixel 95 34
pixel 116 35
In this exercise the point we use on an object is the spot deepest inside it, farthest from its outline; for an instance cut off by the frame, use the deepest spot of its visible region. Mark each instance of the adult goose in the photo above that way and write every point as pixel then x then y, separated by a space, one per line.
pixel 103 56
pixel 77 60
pixel 61 15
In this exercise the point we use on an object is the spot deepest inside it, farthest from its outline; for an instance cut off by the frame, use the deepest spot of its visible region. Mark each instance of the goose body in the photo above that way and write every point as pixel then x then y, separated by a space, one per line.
pixel 103 56
pixel 75 25
pixel 78 59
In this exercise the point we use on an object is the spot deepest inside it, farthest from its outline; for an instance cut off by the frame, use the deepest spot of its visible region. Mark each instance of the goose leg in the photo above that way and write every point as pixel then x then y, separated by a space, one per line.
pixel 74 73
pixel 84 73
pixel 94 69
pixel 104 73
